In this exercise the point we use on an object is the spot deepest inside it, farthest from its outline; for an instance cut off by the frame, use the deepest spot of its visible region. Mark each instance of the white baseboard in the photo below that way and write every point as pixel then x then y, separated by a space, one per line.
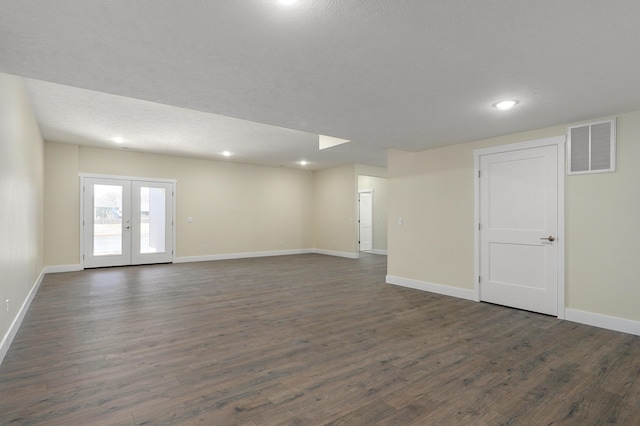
pixel 225 256
pixel 603 321
pixel 337 253
pixel 246 255
pixel 380 252
pixel 54 269
pixel 575 315
pixel 446 290
pixel 17 321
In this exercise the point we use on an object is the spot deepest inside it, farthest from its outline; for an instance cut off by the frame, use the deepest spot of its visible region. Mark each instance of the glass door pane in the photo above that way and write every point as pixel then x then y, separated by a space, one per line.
pixel 152 211
pixel 107 225
pixel 106 222
pixel 152 219
pixel 126 221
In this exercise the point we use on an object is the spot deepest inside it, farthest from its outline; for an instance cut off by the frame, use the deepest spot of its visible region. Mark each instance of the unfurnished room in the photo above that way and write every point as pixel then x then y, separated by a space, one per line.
pixel 314 212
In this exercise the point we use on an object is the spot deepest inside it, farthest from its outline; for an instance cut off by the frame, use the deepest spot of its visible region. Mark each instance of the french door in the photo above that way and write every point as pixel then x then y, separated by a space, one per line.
pixel 126 221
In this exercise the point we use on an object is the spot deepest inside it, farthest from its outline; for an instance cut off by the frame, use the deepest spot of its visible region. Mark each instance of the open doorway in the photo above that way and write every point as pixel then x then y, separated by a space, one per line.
pixel 365 219
pixel 373 214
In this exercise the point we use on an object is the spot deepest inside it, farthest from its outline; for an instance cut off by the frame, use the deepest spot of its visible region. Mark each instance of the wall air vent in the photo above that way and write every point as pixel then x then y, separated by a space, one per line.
pixel 592 147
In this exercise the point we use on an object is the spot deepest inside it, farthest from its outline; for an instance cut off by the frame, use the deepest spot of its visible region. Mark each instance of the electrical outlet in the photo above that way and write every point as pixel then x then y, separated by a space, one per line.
pixel 7 305
pixel 205 247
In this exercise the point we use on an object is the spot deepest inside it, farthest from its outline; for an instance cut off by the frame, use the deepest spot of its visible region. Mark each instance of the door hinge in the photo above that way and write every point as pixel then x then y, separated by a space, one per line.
pixel 478 173
pixel 478 226
pixel 479 279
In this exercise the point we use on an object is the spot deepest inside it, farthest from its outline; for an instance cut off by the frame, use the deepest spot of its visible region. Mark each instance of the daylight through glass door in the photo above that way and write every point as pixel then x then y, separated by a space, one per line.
pixel 127 222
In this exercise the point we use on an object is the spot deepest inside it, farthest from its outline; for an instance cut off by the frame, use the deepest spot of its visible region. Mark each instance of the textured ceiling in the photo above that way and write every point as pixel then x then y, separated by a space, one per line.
pixel 409 75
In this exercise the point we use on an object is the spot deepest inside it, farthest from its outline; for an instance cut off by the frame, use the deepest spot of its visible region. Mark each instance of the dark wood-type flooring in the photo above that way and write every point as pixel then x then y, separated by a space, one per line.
pixel 302 340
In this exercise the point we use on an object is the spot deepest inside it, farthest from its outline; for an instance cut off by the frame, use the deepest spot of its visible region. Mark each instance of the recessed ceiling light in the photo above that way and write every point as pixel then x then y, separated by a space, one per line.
pixel 226 154
pixel 303 162
pixel 505 105
pixel 118 139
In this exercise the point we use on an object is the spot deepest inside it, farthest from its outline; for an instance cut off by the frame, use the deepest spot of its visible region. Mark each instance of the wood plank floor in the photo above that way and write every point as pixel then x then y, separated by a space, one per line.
pixel 301 340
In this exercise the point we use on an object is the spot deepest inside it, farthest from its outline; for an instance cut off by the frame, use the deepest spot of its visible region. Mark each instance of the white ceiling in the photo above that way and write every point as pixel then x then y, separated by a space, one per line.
pixel 180 77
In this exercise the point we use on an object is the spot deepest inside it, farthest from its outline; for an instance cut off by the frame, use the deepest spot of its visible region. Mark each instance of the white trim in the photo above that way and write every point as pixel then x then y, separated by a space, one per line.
pixel 445 290
pixel 337 253
pixel 559 141
pixel 246 255
pixel 118 177
pixel 379 252
pixel 603 321
pixel 17 321
pixel 560 241
pixel 81 216
pixel 366 191
pixel 536 143
pixel 476 227
pixel 174 190
pixel 54 269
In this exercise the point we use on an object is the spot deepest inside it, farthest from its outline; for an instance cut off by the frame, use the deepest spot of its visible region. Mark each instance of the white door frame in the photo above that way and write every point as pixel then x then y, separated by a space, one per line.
pixel 130 178
pixel 365 191
pixel 477 153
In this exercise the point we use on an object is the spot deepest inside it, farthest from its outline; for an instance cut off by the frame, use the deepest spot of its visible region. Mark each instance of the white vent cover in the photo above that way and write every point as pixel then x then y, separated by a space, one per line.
pixel 592 147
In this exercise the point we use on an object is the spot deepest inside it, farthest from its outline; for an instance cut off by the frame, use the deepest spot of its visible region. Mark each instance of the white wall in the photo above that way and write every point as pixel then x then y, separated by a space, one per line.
pixel 236 208
pixel 21 201
pixel 433 192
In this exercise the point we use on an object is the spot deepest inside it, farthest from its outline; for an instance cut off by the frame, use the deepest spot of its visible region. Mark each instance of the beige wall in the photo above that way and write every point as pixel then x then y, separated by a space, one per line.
pixel 380 194
pixel 62 206
pixel 363 169
pixel 335 224
pixel 603 232
pixel 236 208
pixel 433 192
pixel 21 200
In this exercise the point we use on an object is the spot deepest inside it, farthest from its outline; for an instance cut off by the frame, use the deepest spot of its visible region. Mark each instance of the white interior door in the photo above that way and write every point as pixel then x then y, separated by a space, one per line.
pixel 518 196
pixel 366 220
pixel 126 222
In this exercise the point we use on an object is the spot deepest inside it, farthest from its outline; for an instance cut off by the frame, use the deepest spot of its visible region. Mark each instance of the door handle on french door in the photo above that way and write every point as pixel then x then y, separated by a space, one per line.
pixel 549 238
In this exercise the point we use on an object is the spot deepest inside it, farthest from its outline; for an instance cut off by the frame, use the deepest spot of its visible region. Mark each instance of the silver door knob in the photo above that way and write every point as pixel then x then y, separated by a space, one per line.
pixel 549 238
